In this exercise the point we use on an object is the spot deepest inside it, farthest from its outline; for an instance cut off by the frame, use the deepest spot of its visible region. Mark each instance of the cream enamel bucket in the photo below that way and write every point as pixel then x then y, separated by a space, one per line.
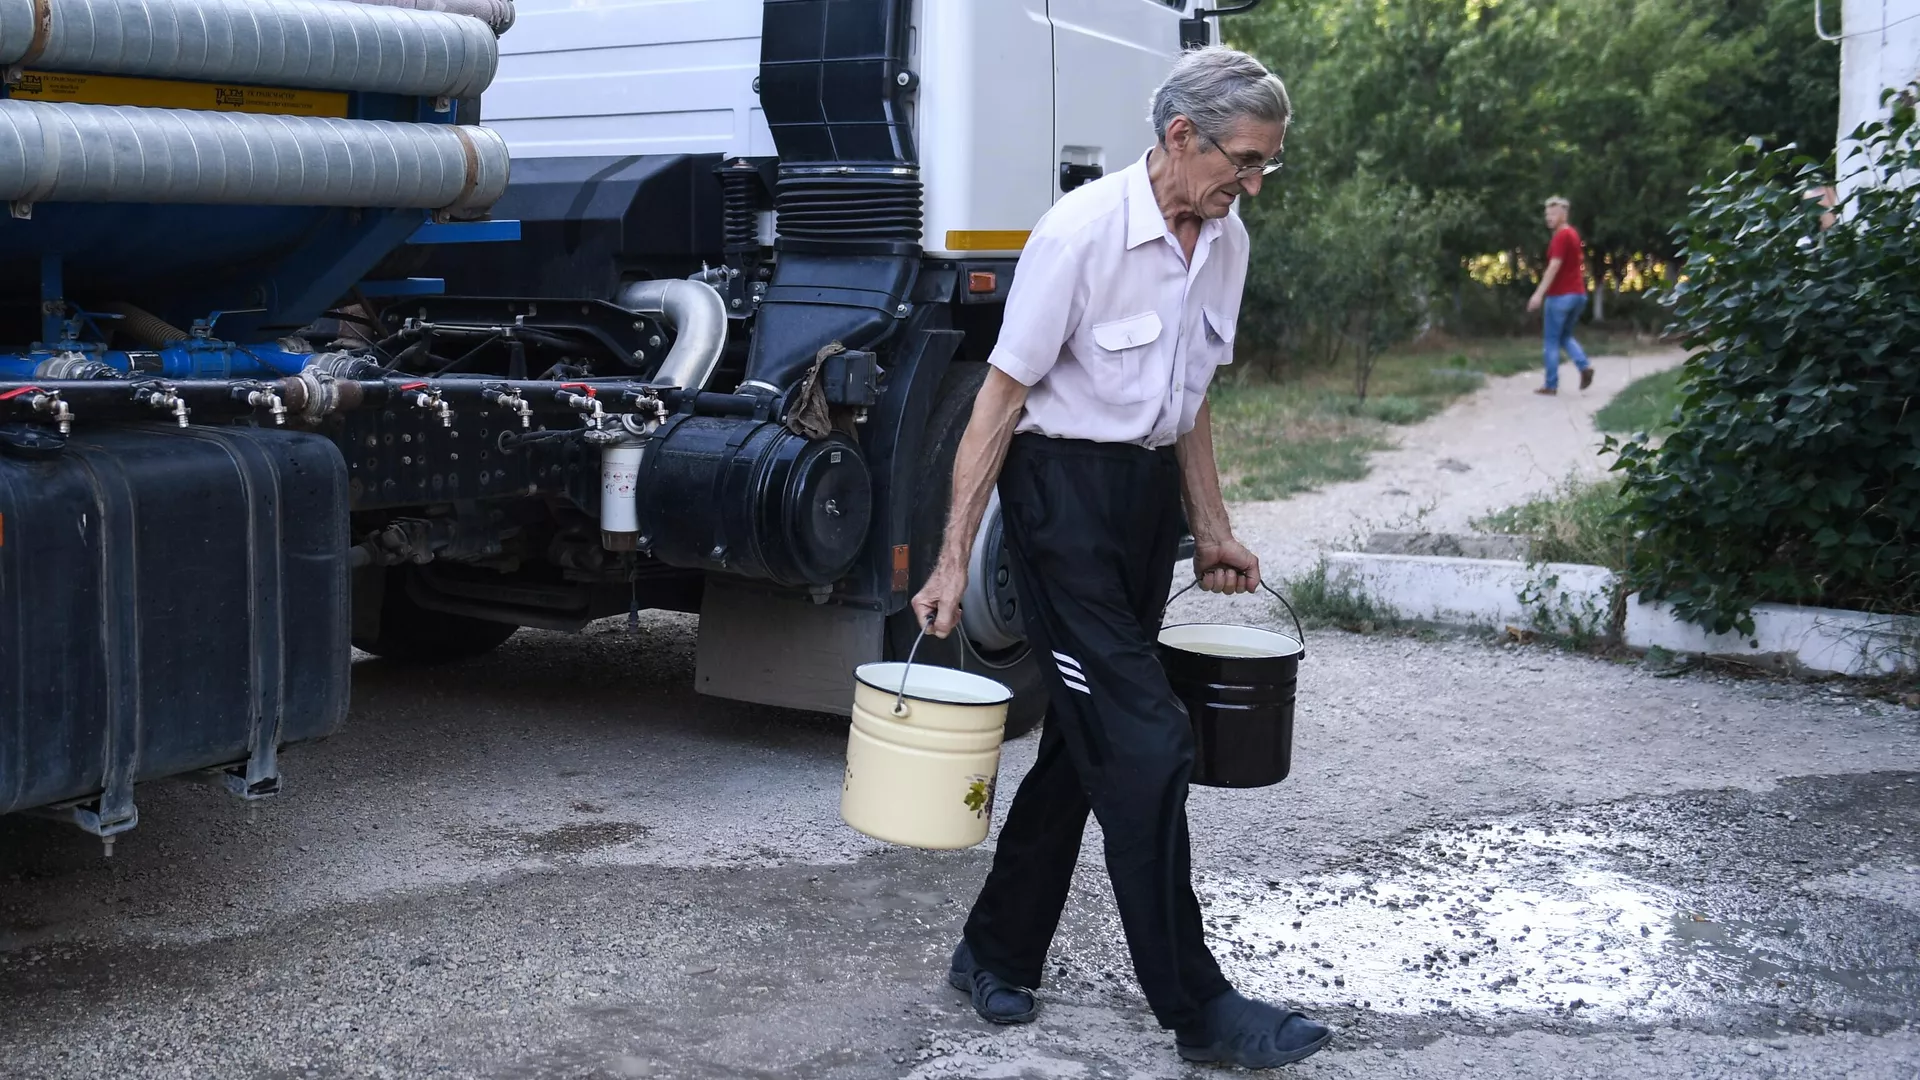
pixel 923 754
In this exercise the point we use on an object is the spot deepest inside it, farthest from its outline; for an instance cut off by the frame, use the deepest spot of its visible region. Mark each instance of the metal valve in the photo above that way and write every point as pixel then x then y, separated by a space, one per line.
pixel 654 409
pixel 512 401
pixel 269 400
pixel 52 404
pixel 165 398
pixel 429 399
pixel 587 404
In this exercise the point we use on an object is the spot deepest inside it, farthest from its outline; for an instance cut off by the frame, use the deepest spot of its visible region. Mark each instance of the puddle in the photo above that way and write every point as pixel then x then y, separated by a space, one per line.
pixel 1512 920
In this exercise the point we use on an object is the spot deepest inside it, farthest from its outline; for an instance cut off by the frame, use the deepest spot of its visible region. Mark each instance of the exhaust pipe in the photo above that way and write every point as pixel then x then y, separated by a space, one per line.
pixel 699 319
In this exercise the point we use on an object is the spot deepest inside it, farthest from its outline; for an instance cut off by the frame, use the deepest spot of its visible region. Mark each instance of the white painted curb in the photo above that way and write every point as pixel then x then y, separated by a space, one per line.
pixel 1490 593
pixel 1811 639
pixel 1567 597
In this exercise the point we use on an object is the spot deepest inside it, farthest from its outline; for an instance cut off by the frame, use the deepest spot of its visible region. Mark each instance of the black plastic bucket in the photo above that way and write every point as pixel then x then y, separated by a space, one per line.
pixel 1238 684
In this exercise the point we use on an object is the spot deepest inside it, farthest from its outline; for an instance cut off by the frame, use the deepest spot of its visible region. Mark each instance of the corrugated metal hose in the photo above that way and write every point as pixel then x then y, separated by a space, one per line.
pixel 428 48
pixel 497 14
pixel 63 152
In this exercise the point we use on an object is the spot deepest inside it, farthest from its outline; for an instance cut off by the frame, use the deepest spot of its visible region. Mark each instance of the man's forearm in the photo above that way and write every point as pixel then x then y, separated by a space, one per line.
pixel 1546 279
pixel 976 464
pixel 1200 480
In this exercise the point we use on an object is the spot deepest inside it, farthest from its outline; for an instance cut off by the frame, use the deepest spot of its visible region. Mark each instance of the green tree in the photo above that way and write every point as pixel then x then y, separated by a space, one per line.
pixel 1620 105
pixel 1353 266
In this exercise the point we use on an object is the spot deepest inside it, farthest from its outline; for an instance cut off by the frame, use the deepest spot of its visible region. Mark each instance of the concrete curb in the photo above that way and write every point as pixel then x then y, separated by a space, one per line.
pixel 1490 593
pixel 1828 640
pixel 1577 600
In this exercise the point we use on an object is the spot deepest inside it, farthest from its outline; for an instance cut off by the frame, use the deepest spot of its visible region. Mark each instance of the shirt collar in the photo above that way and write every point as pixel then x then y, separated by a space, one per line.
pixel 1144 220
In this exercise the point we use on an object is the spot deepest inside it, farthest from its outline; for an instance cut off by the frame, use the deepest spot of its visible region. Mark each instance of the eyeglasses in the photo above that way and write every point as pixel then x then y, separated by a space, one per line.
pixel 1243 172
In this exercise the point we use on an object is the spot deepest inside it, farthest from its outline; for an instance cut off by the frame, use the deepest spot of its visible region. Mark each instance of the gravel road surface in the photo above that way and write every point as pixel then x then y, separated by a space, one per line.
pixel 558 861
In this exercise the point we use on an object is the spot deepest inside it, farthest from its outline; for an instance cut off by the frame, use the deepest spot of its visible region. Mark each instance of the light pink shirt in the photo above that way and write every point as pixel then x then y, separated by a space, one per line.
pixel 1115 332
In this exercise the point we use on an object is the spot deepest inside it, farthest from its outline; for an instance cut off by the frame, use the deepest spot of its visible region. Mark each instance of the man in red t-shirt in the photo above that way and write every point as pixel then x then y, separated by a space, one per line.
pixel 1562 294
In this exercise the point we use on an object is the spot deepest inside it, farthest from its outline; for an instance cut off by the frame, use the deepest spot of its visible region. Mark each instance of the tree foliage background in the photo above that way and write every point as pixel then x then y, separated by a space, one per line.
pixel 1477 110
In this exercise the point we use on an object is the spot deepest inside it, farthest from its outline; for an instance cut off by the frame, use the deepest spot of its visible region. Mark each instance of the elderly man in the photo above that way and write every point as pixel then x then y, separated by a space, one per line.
pixel 1094 423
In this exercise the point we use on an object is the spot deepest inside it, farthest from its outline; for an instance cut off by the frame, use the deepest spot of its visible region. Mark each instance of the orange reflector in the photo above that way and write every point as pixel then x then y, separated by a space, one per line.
pixel 901 562
pixel 991 240
pixel 982 281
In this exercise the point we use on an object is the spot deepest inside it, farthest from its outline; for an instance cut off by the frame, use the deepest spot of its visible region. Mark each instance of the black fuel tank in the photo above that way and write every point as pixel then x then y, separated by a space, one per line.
pixel 170 600
pixel 749 497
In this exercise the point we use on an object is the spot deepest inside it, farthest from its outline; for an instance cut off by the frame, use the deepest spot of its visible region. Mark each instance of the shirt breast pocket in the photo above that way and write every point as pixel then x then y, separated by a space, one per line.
pixel 1214 349
pixel 1121 358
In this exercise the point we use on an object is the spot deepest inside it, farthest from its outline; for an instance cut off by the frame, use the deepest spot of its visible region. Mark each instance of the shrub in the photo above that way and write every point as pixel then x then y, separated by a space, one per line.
pixel 1794 473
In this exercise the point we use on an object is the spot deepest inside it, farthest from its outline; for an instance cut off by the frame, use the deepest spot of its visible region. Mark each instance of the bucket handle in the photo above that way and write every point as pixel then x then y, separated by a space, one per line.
pixel 1297 629
pixel 900 698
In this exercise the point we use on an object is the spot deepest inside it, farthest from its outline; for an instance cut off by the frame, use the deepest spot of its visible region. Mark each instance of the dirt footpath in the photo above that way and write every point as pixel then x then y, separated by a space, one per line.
pixel 1489 450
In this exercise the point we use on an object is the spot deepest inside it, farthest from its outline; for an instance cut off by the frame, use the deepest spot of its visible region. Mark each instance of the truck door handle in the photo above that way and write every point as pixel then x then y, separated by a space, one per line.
pixel 1072 176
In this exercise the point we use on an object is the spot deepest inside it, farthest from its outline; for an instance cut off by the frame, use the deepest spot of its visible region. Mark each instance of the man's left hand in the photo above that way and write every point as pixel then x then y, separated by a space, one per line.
pixel 1226 566
pixel 1533 303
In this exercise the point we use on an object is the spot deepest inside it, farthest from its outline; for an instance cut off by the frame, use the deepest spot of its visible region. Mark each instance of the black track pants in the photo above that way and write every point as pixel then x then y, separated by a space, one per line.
pixel 1093 531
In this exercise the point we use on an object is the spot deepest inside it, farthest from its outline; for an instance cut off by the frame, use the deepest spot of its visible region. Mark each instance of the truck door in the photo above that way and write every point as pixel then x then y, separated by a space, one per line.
pixel 1108 56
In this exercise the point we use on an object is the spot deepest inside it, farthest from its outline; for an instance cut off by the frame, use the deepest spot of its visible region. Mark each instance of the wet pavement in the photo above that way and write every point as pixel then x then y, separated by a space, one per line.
pixel 1796 912
pixel 560 863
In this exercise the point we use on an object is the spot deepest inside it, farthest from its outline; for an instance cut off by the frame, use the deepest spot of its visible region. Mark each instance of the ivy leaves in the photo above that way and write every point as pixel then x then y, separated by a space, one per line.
pixel 1794 474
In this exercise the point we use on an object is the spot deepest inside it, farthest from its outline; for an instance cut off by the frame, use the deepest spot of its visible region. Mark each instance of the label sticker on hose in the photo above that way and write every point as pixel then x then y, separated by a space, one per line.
pixel 172 94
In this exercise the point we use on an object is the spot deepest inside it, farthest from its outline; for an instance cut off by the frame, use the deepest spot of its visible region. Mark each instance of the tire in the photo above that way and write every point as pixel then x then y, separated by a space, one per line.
pixel 1014 666
pixel 411 634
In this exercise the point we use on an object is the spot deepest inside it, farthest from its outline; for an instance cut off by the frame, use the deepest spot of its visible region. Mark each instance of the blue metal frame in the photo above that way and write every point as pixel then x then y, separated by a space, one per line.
pixel 273 269
pixel 466 232
pixel 413 286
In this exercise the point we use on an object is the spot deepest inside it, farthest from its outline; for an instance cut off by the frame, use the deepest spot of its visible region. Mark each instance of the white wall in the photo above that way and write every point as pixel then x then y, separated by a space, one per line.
pixel 1879 48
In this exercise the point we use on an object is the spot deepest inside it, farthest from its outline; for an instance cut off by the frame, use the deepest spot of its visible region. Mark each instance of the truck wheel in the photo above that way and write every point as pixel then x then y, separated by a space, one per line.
pixel 990 640
pixel 411 634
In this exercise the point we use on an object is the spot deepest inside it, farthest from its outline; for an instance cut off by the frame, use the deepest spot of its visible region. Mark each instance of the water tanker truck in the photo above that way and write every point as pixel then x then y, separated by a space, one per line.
pixel 404 324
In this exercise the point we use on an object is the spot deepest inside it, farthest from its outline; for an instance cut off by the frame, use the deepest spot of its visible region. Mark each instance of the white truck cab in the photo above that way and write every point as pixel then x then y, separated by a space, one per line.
pixel 1014 100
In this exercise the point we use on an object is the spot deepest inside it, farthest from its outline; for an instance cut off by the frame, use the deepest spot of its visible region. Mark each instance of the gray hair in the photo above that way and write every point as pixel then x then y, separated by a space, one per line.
pixel 1213 87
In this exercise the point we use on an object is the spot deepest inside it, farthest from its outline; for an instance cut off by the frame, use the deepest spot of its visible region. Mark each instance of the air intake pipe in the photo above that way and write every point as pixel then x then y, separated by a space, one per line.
pixel 847 205
pixel 699 319
pixel 295 43
pixel 63 152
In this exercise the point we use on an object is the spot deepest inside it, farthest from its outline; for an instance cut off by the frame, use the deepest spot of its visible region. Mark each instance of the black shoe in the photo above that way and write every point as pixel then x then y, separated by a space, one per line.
pixel 1236 1030
pixel 994 998
pixel 1586 377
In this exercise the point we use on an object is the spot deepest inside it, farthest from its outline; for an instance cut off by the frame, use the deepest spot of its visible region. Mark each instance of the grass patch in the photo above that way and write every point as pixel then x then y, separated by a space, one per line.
pixel 1577 522
pixel 1278 467
pixel 1321 601
pixel 1646 404
pixel 1280 436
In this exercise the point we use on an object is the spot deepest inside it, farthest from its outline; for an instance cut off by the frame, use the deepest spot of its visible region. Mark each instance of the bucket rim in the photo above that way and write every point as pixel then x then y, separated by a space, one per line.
pixel 861 676
pixel 1298 650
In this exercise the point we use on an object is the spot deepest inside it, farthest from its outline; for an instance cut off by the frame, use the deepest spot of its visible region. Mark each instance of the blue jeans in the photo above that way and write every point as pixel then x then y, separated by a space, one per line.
pixel 1561 314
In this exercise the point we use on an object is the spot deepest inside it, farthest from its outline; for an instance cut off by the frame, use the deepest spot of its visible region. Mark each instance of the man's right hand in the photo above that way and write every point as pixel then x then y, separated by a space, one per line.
pixel 940 599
